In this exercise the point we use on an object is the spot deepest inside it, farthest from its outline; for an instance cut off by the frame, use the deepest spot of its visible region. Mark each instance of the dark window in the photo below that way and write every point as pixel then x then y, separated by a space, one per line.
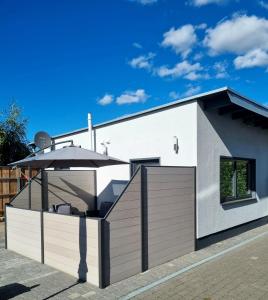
pixel 135 163
pixel 237 179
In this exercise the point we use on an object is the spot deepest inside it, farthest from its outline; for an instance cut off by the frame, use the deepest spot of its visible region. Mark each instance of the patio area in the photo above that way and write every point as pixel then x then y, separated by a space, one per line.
pixel 104 246
pixel 57 219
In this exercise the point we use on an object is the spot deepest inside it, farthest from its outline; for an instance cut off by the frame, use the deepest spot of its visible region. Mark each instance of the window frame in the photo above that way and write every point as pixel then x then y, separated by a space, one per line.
pixel 131 161
pixel 251 179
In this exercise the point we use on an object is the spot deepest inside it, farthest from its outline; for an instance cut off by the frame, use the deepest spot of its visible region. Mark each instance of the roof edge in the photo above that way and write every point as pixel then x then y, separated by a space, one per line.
pixel 160 107
pixel 165 106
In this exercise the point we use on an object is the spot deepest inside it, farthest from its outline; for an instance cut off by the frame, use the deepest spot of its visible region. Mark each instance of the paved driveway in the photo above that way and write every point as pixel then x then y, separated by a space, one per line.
pixel 236 268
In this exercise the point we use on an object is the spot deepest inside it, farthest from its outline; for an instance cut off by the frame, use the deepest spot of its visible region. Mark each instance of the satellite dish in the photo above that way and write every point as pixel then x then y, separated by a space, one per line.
pixel 42 140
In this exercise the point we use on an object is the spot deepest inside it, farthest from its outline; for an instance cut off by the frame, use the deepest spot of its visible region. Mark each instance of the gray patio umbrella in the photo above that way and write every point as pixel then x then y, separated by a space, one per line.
pixel 66 157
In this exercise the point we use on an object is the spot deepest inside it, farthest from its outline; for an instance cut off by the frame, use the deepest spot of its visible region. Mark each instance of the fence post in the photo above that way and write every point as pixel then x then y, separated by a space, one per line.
pixel 101 252
pixel 42 235
pixel 5 225
pixel 144 220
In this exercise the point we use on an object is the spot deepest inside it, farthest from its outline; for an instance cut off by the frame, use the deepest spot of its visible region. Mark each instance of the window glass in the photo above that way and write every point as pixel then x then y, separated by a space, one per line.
pixel 237 179
pixel 227 178
pixel 242 179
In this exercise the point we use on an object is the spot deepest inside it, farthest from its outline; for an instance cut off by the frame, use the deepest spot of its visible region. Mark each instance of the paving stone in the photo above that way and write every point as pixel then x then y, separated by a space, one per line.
pixel 240 274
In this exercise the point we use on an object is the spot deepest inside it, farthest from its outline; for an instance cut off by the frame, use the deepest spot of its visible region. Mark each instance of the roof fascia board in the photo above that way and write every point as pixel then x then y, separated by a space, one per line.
pixel 248 104
pixel 77 131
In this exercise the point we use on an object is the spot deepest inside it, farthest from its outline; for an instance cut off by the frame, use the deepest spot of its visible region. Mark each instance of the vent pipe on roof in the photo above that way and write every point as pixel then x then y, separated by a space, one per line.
pixel 90 133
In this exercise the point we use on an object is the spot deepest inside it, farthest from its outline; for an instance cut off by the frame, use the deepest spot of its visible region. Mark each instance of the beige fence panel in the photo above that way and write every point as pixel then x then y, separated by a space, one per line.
pixel 71 244
pixel 24 232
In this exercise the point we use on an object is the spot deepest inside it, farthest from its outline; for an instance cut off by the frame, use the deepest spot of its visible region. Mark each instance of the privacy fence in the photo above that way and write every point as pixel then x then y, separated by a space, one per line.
pixel 11 182
pixel 152 222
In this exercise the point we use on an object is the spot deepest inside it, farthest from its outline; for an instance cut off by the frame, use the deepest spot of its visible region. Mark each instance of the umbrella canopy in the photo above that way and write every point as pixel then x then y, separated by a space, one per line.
pixel 67 157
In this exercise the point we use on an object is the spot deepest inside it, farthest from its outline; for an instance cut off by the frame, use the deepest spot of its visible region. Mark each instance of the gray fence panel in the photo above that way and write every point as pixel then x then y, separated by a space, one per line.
pixel 170 213
pixel 122 235
pixel 75 187
pixel 22 199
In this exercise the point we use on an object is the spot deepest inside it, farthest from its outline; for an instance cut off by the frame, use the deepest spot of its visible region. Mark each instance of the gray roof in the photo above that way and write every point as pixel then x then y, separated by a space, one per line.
pixel 234 97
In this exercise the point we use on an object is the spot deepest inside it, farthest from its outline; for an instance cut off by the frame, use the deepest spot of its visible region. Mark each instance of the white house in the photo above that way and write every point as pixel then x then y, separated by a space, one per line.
pixel 221 133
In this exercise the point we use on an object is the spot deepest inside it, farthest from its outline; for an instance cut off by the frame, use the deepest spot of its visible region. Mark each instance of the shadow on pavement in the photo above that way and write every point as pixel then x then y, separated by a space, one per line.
pixel 63 290
pixel 14 289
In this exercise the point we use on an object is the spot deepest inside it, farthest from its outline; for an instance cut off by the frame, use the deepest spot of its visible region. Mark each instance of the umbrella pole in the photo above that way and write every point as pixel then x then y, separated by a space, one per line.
pixel 43 206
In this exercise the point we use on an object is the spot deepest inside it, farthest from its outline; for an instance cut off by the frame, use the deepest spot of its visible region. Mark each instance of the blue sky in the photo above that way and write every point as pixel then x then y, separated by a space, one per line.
pixel 62 59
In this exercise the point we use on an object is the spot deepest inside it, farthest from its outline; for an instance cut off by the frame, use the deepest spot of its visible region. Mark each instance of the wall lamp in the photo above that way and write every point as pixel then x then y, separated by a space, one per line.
pixel 105 145
pixel 175 144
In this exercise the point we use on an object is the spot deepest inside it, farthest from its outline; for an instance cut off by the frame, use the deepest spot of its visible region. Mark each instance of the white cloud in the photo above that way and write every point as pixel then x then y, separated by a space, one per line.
pixel 142 62
pixel 238 35
pixel 201 26
pixel 106 99
pixel 263 4
pixel 193 76
pixel 220 68
pixel 245 36
pixel 206 2
pixel 129 97
pixel 181 69
pixel 174 95
pixel 191 90
pixel 198 56
pixel 254 58
pixel 137 45
pixel 181 40
pixel 145 2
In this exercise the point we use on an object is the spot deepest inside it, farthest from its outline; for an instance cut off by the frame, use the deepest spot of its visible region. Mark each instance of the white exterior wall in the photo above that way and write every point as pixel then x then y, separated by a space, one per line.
pixel 79 139
pixel 147 136
pixel 222 136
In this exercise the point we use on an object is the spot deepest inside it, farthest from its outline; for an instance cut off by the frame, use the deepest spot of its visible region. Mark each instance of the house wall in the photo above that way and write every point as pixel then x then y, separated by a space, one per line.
pixel 147 136
pixel 79 139
pixel 221 136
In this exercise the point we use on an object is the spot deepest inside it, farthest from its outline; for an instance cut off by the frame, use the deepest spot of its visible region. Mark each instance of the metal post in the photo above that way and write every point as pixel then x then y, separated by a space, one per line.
pixel 42 189
pixel 29 187
pixel 144 220
pixel 6 226
pixel 18 180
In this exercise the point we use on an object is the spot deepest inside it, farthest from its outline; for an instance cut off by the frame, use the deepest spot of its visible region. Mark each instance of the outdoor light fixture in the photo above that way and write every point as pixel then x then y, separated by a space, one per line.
pixel 175 144
pixel 105 145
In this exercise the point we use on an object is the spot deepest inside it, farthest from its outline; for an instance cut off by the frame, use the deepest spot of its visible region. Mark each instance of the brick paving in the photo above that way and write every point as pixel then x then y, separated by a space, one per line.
pixel 239 274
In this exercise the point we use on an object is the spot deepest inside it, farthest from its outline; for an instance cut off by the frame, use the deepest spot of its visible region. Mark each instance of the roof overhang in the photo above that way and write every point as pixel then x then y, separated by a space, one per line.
pixel 230 103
